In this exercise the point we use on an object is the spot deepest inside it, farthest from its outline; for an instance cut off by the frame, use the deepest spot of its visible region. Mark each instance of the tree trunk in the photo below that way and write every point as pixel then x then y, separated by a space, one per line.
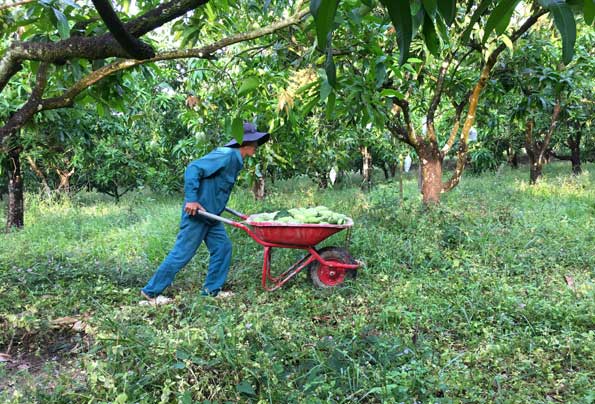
pixel 15 213
pixel 536 171
pixel 431 174
pixel 385 170
pixel 513 158
pixel 574 143
pixel 366 168
pixel 393 169
pixel 575 159
pixel 401 197
pixel 41 175
pixel 537 149
pixel 258 188
pixel 64 176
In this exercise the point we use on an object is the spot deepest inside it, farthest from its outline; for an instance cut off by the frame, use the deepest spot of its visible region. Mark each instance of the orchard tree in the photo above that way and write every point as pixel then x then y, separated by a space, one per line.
pixel 68 49
pixel 487 27
pixel 577 118
pixel 548 94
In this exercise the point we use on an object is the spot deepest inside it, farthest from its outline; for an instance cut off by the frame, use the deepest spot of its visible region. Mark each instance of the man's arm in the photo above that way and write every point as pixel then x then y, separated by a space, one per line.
pixel 197 170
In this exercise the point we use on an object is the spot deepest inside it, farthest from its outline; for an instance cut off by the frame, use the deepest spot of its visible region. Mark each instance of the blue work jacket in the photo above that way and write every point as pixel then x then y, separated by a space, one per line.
pixel 209 180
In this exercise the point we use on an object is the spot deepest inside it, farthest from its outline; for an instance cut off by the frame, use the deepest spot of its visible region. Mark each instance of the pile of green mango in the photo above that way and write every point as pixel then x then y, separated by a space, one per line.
pixel 316 215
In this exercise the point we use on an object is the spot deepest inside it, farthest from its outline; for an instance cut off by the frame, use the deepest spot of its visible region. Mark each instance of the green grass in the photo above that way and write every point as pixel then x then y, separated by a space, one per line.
pixel 488 298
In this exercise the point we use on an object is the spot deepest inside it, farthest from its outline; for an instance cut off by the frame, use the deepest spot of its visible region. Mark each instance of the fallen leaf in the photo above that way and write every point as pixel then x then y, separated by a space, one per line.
pixel 79 326
pixel 569 281
pixel 64 321
pixel 5 357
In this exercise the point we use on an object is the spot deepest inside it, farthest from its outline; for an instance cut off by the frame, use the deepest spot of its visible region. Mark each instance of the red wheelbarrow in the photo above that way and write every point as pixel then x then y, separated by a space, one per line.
pixel 329 266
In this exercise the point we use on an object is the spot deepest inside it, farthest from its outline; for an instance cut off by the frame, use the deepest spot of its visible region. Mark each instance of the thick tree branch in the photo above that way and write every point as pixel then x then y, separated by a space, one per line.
pixel 400 133
pixel 8 68
pixel 404 105
pixel 529 139
pixel 460 61
pixel 135 48
pixel 99 47
pixel 205 52
pixel 436 100
pixel 31 107
pixel 456 124
pixel 474 100
pixel 550 132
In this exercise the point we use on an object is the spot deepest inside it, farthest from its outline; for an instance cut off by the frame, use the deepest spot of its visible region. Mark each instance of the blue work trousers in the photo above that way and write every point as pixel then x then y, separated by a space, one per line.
pixel 192 232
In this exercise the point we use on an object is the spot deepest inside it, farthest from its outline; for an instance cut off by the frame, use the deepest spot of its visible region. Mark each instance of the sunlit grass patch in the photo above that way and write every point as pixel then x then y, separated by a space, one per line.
pixel 487 297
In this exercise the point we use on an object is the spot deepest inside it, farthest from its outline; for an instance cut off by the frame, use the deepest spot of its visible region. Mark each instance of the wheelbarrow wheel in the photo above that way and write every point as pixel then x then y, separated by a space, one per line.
pixel 324 276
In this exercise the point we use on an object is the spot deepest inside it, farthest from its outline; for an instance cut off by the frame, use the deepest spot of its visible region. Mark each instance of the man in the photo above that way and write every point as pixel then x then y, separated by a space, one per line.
pixel 208 182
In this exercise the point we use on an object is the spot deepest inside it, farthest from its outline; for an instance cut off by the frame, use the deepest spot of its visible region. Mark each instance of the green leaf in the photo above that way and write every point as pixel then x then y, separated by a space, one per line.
pixel 564 20
pixel 308 107
pixel 246 388
pixel 503 23
pixel 389 92
pixel 500 15
pixel 323 12
pixel 448 10
pixel 479 11
pixel 380 74
pixel 325 90
pixel 62 24
pixel 237 129
pixel 442 30
pixel 430 6
pixel 330 105
pixel 187 398
pixel 430 36
pixel 330 69
pixel 589 10
pixel 508 42
pixel 182 355
pixel 72 4
pixel 190 36
pixel 100 110
pixel 400 14
pixel 418 20
pixel 249 84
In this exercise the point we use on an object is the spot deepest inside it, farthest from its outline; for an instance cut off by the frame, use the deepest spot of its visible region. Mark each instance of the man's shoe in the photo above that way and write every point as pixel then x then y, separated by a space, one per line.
pixel 225 294
pixel 154 301
pixel 163 300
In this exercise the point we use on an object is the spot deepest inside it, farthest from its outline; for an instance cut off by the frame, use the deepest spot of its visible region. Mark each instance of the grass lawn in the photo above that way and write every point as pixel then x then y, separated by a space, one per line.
pixel 488 298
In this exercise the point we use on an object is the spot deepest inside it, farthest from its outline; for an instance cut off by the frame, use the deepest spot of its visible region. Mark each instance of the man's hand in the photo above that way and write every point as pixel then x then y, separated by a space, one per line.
pixel 192 207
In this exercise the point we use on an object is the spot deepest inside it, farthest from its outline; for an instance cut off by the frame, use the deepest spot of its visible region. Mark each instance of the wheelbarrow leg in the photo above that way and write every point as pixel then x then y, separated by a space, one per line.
pixel 281 279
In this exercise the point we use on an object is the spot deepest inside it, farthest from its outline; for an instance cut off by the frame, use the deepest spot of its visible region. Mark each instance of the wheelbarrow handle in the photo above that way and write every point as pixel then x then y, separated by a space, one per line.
pixel 208 215
pixel 233 223
pixel 236 213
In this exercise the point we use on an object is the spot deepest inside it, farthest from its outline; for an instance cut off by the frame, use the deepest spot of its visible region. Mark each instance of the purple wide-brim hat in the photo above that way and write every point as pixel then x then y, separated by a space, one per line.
pixel 250 135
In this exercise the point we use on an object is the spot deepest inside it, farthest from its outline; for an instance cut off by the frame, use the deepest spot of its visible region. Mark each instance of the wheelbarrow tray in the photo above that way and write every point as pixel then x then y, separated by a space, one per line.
pixel 295 234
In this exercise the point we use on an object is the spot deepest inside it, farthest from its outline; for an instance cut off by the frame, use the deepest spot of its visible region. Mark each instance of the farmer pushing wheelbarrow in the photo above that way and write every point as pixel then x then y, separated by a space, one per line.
pixel 208 182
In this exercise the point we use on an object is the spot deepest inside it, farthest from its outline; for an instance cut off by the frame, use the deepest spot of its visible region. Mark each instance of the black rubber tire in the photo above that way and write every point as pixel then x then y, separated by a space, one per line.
pixel 336 254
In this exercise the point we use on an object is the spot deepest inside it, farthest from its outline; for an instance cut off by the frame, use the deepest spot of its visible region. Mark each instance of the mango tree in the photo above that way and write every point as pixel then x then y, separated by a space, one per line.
pixel 482 27
pixel 577 118
pixel 546 96
pixel 578 125
pixel 67 49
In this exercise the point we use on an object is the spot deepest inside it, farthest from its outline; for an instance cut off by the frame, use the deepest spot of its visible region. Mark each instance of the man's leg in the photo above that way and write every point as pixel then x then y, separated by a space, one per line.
pixel 191 234
pixel 219 246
